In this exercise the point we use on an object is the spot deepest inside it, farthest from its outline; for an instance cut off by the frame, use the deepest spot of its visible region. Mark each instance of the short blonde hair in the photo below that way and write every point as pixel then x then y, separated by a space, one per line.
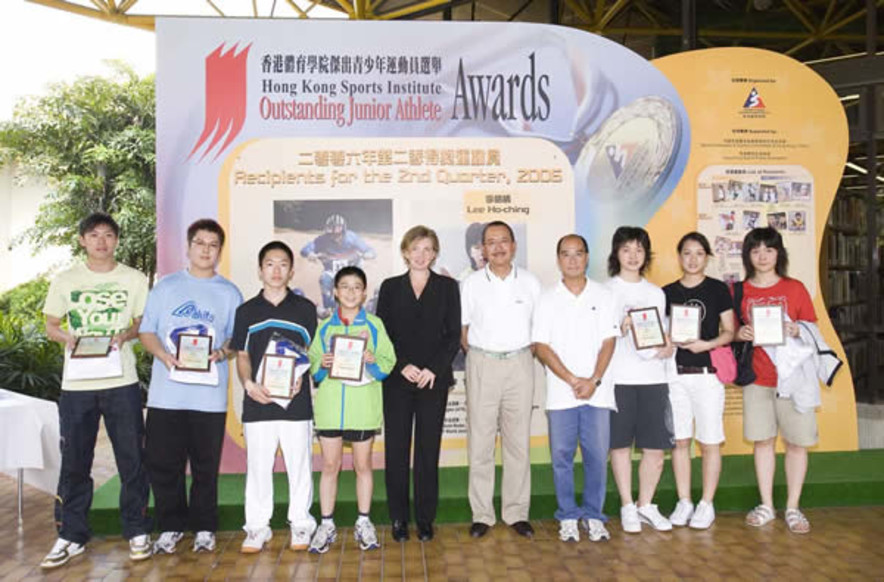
pixel 416 233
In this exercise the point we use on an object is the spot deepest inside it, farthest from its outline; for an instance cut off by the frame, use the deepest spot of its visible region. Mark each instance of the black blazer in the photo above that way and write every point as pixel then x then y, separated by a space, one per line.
pixel 426 331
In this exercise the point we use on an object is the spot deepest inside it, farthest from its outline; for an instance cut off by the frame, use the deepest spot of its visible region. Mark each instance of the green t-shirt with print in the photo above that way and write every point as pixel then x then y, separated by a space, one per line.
pixel 99 304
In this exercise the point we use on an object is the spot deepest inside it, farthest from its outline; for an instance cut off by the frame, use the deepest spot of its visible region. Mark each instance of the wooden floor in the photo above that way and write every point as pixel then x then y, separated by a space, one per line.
pixel 846 543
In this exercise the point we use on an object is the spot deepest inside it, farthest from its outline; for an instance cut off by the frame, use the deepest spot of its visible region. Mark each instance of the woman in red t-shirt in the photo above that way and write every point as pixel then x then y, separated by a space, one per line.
pixel 764 413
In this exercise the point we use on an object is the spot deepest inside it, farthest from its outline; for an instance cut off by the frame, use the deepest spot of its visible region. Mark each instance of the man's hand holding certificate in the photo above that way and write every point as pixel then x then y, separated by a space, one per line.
pixel 647 329
pixel 768 325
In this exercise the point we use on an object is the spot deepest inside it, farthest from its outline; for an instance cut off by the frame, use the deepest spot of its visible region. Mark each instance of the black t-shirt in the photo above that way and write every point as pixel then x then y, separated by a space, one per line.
pixel 713 298
pixel 256 321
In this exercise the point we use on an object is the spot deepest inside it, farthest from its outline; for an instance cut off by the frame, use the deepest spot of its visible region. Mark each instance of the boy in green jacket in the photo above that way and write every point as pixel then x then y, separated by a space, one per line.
pixel 348 409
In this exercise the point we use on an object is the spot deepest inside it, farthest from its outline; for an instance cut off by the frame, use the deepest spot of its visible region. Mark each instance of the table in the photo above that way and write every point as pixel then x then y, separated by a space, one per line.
pixel 29 442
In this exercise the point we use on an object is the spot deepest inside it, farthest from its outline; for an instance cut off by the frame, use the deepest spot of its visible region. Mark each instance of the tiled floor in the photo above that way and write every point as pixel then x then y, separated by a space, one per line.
pixel 846 543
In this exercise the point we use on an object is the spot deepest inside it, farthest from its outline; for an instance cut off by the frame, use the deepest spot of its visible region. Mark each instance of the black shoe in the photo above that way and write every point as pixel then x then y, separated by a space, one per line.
pixel 479 529
pixel 523 528
pixel 400 531
pixel 424 531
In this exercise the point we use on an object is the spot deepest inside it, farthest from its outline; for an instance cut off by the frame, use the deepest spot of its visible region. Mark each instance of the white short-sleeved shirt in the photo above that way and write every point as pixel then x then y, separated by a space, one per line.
pixel 497 310
pixel 575 326
pixel 631 366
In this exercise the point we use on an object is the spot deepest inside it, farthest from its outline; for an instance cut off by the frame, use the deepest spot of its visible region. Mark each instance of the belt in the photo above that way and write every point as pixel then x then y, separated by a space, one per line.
pixel 696 370
pixel 501 355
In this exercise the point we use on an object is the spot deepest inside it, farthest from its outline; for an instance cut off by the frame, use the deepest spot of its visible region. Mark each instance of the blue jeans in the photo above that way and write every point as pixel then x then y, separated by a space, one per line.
pixel 590 426
pixel 79 413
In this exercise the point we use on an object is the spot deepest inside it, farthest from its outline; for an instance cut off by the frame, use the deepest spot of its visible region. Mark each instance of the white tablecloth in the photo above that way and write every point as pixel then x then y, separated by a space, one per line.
pixel 29 439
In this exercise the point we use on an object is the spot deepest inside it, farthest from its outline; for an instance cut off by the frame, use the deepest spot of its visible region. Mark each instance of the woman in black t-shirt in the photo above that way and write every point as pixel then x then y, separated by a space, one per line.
pixel 696 394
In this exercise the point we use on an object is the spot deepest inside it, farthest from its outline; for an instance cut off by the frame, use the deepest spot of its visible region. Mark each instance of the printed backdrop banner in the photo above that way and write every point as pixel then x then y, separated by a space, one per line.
pixel 281 129
pixel 768 145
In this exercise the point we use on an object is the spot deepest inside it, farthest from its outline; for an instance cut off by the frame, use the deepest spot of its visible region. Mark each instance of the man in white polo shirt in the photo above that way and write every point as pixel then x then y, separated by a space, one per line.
pixel 497 305
pixel 574 332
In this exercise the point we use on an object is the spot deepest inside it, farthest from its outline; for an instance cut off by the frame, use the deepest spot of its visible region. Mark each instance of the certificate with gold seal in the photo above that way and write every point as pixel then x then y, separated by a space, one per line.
pixel 684 323
pixel 194 352
pixel 349 358
pixel 92 346
pixel 278 375
pixel 647 328
pixel 768 325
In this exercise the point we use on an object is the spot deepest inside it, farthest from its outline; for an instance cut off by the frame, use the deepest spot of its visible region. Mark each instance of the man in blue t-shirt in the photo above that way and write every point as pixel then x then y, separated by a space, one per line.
pixel 335 248
pixel 187 400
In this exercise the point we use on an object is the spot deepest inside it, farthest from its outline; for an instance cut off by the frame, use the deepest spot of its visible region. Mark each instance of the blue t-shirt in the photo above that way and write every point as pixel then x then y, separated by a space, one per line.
pixel 181 303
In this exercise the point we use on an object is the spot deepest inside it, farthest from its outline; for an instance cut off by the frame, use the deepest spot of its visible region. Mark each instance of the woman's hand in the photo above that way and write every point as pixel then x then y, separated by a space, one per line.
pixel 625 325
pixel 792 329
pixel 327 359
pixel 746 333
pixel 411 373
pixel 426 378
pixel 697 346
pixel 257 392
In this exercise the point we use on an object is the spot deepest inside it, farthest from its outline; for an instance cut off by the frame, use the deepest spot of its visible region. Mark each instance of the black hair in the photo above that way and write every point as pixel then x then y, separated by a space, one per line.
pixel 471 238
pixel 772 239
pixel 351 270
pixel 208 225
pixel 96 219
pixel 623 235
pixel 573 235
pixel 498 223
pixel 697 238
pixel 276 245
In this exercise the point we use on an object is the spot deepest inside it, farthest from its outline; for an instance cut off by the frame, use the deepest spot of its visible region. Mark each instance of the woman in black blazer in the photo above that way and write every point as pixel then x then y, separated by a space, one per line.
pixel 421 311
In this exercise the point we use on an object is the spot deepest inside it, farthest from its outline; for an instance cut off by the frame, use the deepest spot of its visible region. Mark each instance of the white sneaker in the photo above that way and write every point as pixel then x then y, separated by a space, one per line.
pixel 650 515
pixel 595 529
pixel 167 542
pixel 324 536
pixel 629 519
pixel 683 512
pixel 366 534
pixel 139 548
pixel 300 538
pixel 703 516
pixel 61 553
pixel 568 531
pixel 255 540
pixel 204 542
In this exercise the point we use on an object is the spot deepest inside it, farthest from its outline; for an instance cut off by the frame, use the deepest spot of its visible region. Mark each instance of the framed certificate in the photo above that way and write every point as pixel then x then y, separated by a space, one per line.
pixel 349 357
pixel 768 325
pixel 194 352
pixel 647 328
pixel 684 323
pixel 92 346
pixel 278 375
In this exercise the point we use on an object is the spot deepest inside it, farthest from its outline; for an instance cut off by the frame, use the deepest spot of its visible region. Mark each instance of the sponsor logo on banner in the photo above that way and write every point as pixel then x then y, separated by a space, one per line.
pixel 225 98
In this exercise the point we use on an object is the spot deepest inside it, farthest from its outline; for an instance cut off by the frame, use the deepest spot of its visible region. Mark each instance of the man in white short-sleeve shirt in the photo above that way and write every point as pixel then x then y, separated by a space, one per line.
pixel 574 333
pixel 497 305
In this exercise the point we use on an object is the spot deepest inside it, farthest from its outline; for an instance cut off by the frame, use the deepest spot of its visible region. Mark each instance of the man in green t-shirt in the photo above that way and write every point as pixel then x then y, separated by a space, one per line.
pixel 98 297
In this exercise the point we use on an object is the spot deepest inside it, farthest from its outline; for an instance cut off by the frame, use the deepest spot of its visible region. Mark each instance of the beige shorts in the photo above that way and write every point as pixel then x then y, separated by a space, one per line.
pixel 764 413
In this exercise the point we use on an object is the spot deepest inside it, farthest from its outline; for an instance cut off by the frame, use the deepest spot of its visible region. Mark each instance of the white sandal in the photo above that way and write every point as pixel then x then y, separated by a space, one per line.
pixel 760 516
pixel 796 522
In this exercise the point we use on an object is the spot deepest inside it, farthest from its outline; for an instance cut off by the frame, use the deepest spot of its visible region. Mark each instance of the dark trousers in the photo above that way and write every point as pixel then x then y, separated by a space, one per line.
pixel 79 413
pixel 425 411
pixel 174 438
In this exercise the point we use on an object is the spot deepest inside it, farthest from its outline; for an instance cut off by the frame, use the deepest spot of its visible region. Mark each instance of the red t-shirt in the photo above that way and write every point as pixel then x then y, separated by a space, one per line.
pixel 796 301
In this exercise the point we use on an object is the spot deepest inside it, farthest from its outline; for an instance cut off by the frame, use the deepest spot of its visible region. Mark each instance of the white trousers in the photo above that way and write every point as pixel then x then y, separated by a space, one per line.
pixel 296 440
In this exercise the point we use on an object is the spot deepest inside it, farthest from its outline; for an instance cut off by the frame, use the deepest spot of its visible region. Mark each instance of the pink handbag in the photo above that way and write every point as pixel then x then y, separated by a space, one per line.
pixel 724 363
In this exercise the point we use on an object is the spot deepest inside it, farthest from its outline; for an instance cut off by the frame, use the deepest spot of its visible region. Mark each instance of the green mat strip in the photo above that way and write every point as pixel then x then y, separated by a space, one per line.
pixel 834 479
